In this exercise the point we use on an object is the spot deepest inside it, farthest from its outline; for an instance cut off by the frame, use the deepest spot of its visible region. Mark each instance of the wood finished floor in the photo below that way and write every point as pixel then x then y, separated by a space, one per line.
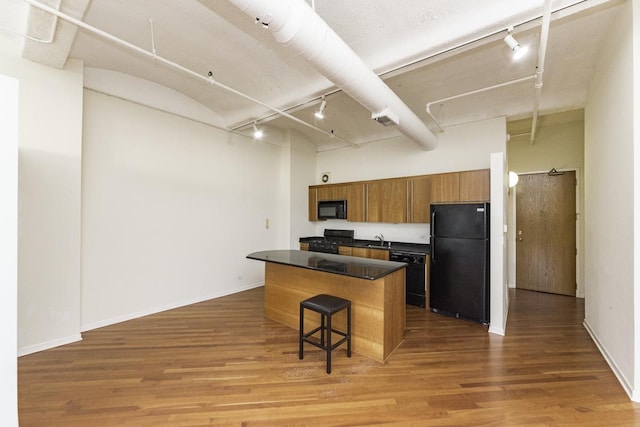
pixel 221 362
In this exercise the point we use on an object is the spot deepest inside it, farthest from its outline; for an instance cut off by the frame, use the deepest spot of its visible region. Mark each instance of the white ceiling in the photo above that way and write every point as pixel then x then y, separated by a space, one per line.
pixel 424 50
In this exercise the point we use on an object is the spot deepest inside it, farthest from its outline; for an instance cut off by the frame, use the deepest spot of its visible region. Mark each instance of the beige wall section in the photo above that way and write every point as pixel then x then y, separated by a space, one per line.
pixel 170 209
pixel 559 144
pixel 611 188
pixel 50 148
pixel 9 249
pixel 298 172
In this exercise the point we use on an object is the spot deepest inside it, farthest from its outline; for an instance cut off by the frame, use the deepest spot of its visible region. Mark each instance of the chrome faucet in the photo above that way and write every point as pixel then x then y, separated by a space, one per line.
pixel 381 238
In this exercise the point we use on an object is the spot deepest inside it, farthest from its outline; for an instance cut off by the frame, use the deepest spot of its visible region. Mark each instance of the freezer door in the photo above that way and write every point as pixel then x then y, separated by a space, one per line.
pixel 459 278
pixel 468 221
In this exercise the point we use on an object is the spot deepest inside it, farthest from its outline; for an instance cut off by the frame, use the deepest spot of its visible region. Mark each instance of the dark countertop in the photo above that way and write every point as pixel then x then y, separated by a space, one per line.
pixel 362 268
pixel 421 248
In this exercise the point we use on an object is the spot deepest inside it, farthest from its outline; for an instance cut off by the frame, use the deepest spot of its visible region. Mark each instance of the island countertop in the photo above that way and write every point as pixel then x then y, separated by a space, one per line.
pixel 362 268
pixel 376 289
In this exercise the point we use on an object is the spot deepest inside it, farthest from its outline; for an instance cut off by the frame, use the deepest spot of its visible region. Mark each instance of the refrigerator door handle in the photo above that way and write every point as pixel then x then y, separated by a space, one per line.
pixel 433 241
pixel 433 250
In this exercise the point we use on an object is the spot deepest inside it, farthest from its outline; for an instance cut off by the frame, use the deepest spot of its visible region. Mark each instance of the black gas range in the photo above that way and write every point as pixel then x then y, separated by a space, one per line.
pixel 331 240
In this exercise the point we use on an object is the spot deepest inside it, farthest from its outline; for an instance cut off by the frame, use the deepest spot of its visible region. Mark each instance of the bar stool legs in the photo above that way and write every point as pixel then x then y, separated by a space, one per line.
pixel 326 306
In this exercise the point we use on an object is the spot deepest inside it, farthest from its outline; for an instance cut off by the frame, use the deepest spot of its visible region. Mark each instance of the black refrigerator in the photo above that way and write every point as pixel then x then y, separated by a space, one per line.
pixel 459 274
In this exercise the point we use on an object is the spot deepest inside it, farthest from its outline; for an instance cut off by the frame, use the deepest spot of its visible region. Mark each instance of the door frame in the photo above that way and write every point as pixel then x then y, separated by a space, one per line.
pixel 512 227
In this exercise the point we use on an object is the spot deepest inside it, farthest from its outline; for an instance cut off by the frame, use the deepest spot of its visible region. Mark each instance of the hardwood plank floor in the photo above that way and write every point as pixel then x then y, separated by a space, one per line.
pixel 221 362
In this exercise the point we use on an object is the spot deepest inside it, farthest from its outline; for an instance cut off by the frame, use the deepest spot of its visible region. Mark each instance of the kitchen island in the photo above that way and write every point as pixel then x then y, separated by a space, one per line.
pixel 375 288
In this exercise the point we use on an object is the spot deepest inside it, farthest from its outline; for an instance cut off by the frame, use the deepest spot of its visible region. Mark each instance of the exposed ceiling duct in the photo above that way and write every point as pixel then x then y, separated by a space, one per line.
pixel 294 23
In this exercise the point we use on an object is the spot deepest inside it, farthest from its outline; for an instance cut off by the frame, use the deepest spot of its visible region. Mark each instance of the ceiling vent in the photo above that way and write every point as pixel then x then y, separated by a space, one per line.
pixel 386 118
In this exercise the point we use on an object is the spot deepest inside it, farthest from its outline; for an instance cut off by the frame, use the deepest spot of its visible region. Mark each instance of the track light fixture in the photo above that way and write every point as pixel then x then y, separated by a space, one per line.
pixel 320 113
pixel 518 51
pixel 257 132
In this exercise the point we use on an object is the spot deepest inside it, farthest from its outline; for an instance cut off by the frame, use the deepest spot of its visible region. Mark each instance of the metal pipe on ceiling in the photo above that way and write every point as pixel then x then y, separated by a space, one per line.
pixel 178 67
pixel 542 53
pixel 294 23
pixel 472 92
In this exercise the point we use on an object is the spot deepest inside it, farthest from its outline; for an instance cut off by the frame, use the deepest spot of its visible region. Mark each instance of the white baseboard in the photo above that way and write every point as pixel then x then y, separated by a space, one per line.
pixel 495 330
pixel 501 329
pixel 130 316
pixel 49 344
pixel 633 395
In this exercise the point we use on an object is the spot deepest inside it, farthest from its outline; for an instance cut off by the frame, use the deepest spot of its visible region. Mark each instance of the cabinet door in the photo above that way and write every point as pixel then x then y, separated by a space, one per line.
pixel 370 253
pixel 313 204
pixel 475 186
pixel 420 200
pixel 323 192
pixel 332 192
pixel 355 202
pixel 379 254
pixel 345 250
pixel 445 188
pixel 387 201
pixel 360 252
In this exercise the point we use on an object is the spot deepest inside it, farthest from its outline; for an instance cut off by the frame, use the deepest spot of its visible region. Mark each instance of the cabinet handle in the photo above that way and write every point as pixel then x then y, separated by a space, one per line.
pixel 409 205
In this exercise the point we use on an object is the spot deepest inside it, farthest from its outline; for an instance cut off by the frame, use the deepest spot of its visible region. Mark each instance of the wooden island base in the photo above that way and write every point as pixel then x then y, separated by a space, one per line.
pixel 378 306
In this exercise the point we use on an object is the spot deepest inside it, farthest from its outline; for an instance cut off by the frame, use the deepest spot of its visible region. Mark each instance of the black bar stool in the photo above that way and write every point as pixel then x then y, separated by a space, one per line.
pixel 326 305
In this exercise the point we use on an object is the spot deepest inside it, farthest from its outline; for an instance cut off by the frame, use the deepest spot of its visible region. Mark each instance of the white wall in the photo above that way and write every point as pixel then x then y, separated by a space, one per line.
pixel 610 194
pixel 462 147
pixel 636 203
pixel 50 123
pixel 171 207
pixel 9 250
pixel 299 172
pixel 499 297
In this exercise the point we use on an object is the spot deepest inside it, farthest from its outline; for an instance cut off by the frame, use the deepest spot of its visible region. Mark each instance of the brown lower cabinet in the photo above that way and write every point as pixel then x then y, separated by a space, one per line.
pixel 382 254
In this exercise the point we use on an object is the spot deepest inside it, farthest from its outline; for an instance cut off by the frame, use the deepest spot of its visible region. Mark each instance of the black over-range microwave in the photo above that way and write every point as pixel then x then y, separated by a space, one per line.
pixel 334 209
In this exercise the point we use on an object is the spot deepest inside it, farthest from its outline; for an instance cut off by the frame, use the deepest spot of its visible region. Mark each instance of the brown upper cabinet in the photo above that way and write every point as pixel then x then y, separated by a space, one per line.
pixel 313 204
pixel 403 200
pixel 475 186
pixel 353 193
pixel 459 187
pixel 332 192
pixel 356 202
pixel 445 188
pixel 420 199
pixel 388 201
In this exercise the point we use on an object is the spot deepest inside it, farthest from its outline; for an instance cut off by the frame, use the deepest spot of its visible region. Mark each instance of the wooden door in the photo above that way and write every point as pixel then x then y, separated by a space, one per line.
pixel 546 233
